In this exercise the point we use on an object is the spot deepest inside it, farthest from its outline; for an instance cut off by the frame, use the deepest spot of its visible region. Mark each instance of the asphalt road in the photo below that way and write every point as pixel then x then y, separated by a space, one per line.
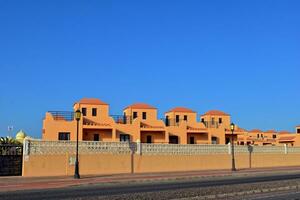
pixel 147 189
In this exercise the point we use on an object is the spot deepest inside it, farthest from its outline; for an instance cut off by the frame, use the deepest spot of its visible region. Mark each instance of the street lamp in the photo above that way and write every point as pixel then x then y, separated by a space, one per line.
pixel 77 117
pixel 232 127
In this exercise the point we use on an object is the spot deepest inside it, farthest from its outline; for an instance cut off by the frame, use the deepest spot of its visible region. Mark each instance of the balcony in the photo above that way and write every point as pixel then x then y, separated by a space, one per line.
pixel 62 115
pixel 172 122
pixel 211 124
pixel 121 119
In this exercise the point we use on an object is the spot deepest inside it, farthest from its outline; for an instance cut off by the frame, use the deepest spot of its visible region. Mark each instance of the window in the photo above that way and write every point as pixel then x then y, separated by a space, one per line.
pixel 185 117
pixel 94 112
pixel 262 136
pixel 274 136
pixel 213 121
pixel 220 120
pixel 64 136
pixel 135 115
pixel 214 140
pixel 257 135
pixel 167 121
pixel 83 111
pixel 124 138
pixel 192 140
pixel 298 130
pixel 144 115
pixel 227 140
pixel 96 137
pixel 202 120
pixel 149 139
pixel 177 118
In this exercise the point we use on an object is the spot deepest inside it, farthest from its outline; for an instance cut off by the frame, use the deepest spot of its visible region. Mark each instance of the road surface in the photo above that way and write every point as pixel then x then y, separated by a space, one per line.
pixel 175 189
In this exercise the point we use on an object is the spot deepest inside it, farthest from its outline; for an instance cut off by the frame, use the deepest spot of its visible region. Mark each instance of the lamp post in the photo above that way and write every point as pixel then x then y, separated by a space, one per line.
pixel 77 117
pixel 232 127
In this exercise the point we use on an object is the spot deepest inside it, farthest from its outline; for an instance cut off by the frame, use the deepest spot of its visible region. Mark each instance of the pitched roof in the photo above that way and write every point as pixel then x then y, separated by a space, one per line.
pixel 284 132
pixel 92 101
pixel 181 109
pixel 140 106
pixel 216 112
pixel 288 138
pixel 270 131
pixel 255 131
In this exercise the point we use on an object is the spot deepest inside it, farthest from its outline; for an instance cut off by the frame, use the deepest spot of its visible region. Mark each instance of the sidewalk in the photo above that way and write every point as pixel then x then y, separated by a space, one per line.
pixel 26 183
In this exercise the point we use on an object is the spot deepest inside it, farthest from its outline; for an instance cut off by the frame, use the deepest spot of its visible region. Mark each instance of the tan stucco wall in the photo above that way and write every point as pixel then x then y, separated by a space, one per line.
pixel 58 165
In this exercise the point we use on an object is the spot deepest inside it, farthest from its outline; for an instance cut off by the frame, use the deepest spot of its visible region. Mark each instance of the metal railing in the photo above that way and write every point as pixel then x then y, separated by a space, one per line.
pixel 122 119
pixel 211 124
pixel 62 115
pixel 172 122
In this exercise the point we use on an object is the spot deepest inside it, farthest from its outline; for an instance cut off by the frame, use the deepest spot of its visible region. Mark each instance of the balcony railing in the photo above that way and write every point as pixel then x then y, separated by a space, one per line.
pixel 172 122
pixel 62 115
pixel 211 124
pixel 121 119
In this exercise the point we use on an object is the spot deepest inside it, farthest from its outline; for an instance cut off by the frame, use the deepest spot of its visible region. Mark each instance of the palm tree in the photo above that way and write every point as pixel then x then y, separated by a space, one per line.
pixel 10 146
pixel 8 141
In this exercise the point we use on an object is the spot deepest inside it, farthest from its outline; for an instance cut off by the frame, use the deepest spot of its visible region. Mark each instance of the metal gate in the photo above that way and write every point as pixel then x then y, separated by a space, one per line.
pixel 11 160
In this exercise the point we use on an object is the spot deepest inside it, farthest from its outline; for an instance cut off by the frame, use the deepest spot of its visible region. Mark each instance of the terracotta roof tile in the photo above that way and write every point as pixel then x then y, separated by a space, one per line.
pixel 255 131
pixel 288 138
pixel 216 112
pixel 284 132
pixel 92 101
pixel 181 109
pixel 140 106
pixel 270 131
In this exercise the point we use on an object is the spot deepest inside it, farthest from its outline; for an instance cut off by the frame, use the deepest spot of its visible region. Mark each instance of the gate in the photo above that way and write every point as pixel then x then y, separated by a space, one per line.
pixel 11 156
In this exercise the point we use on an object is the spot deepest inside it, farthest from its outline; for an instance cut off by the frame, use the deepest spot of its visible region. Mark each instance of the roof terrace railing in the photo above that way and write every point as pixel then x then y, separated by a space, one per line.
pixel 62 115
pixel 122 119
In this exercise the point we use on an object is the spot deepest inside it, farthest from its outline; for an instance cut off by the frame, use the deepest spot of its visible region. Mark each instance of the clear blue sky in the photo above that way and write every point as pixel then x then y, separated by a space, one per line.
pixel 242 57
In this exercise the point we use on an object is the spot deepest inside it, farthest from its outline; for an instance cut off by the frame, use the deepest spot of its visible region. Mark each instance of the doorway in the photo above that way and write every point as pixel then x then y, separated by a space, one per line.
pixel 173 139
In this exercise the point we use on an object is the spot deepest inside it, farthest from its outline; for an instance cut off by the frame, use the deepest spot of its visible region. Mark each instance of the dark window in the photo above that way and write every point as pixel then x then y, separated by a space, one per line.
pixel 257 135
pixel 135 115
pixel 144 115
pixel 167 121
pixel 274 136
pixel 64 136
pixel 124 138
pixel 214 140
pixel 227 140
pixel 94 112
pixel 202 120
pixel 96 137
pixel 177 118
pixel 262 136
pixel 185 117
pixel 173 139
pixel 83 111
pixel 220 121
pixel 298 130
pixel 192 140
pixel 213 121
pixel 149 139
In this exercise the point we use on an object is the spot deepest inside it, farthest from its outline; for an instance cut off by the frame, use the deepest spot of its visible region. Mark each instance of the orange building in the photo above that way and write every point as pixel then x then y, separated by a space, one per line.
pixel 140 122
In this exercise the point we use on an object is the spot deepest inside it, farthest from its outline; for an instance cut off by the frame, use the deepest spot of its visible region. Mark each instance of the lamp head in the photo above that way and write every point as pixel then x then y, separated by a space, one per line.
pixel 232 126
pixel 77 115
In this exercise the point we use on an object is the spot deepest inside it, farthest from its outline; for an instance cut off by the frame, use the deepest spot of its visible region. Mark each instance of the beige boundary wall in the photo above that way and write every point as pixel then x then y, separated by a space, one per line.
pixel 41 159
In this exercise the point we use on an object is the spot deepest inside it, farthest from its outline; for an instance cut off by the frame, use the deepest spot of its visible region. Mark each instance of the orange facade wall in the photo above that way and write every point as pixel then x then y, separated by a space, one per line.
pixel 92 164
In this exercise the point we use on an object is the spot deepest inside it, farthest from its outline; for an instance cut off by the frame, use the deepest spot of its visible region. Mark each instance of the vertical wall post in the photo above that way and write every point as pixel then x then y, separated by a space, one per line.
pixel 229 148
pixel 285 149
pixel 138 147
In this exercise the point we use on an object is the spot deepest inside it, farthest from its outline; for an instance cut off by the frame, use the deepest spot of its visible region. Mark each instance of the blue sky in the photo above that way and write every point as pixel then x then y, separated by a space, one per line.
pixel 241 57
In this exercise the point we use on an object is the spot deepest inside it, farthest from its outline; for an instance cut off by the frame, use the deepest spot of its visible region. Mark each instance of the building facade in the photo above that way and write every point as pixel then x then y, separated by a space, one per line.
pixel 140 122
